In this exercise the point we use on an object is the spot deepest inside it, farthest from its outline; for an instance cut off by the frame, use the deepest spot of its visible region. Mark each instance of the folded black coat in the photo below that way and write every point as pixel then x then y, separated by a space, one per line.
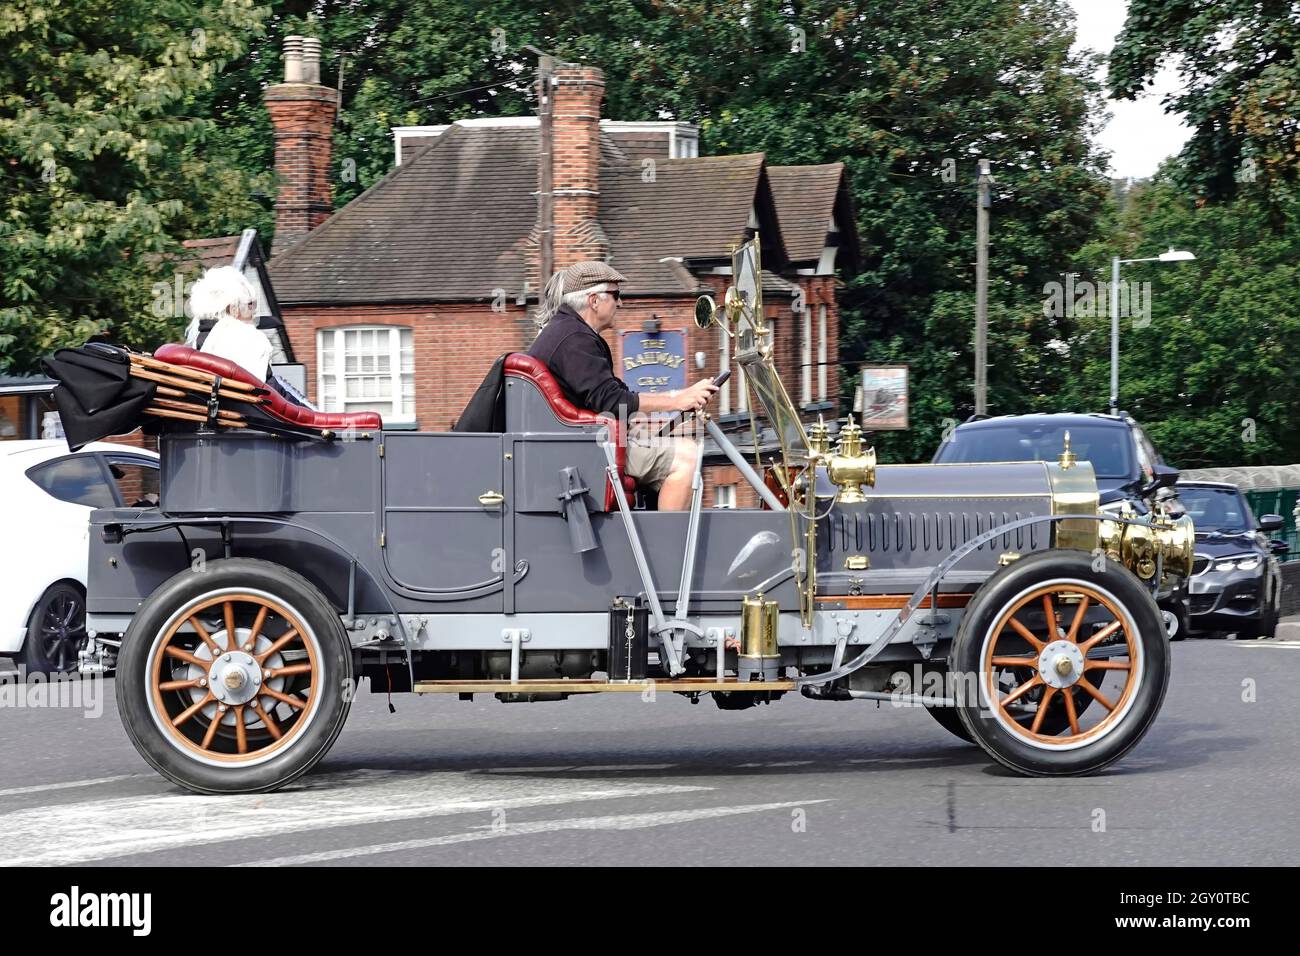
pixel 486 411
pixel 96 395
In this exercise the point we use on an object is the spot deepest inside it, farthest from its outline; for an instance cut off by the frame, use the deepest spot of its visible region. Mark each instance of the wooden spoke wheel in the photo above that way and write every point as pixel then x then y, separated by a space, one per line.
pixel 1061 663
pixel 236 678
pixel 1068 664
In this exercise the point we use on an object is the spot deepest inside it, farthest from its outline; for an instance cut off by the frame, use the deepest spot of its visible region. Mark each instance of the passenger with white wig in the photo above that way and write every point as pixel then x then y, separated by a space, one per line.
pixel 224 306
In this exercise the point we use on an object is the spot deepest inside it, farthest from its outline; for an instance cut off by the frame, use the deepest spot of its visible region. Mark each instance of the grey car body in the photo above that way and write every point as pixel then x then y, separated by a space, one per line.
pixel 1236 581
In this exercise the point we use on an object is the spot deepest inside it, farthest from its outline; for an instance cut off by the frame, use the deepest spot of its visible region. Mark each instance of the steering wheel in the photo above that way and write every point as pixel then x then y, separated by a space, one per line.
pixel 678 417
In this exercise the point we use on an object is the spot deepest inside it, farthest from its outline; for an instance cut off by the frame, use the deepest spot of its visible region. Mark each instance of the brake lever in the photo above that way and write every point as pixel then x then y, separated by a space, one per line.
pixel 679 417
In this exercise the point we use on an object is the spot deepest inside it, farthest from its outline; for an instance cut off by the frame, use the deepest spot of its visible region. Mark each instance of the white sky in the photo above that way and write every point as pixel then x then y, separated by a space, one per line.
pixel 1140 133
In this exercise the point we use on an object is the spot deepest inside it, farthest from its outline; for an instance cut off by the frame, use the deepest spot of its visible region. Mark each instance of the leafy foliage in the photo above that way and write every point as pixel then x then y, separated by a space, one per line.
pixel 1240 77
pixel 103 162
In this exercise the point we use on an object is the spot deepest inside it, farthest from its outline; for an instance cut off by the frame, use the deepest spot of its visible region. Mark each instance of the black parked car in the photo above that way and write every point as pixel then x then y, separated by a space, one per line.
pixel 1236 583
pixel 1127 465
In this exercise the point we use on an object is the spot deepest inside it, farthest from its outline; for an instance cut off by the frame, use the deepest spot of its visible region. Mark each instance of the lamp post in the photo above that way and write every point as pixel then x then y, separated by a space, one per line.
pixel 1173 255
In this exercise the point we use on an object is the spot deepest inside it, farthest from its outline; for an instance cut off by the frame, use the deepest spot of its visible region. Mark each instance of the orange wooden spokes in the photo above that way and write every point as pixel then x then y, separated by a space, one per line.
pixel 235 731
pixel 1100 636
pixel 1079 615
pixel 1095 694
pixel 201 631
pixel 1024 688
pixel 1028 635
pixel 1013 709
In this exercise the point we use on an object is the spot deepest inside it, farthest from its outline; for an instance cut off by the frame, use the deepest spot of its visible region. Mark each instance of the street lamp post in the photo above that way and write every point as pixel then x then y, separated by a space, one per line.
pixel 1173 255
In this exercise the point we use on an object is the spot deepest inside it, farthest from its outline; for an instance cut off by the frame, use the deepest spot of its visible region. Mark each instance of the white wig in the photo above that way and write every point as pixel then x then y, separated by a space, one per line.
pixel 221 292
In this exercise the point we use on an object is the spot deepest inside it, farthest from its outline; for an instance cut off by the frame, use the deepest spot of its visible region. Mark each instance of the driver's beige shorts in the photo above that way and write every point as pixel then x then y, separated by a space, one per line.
pixel 648 461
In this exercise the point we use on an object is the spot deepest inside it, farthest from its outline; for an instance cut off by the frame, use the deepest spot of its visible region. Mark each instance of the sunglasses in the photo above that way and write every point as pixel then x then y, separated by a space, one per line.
pixel 618 296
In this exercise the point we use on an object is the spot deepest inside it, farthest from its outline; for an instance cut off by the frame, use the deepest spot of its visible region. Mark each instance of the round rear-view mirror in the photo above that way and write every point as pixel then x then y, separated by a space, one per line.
pixel 705 308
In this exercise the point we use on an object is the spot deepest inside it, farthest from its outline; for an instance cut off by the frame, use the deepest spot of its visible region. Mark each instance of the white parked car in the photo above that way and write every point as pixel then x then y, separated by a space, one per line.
pixel 48 493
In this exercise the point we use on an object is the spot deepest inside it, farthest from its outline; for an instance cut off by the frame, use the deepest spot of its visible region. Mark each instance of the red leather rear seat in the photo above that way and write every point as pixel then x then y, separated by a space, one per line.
pixel 523 365
pixel 277 405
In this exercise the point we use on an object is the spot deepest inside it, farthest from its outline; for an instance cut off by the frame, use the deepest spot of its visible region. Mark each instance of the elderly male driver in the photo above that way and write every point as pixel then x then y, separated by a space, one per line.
pixel 581 302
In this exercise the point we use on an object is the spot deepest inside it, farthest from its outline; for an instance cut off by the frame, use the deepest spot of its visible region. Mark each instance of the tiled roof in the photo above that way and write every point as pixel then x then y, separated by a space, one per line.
pixel 209 253
pixel 457 220
pixel 679 209
pixel 805 203
pixel 447 224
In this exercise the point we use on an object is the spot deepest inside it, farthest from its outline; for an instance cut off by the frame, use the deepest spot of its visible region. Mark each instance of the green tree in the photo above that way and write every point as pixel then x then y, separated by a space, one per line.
pixel 1210 372
pixel 1239 88
pixel 102 162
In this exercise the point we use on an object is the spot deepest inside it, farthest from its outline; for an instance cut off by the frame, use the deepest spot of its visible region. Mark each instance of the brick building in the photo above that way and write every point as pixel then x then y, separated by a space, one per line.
pixel 400 301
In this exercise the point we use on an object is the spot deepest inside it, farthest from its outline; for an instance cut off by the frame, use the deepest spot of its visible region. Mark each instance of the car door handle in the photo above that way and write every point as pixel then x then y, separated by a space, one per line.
pixel 491 499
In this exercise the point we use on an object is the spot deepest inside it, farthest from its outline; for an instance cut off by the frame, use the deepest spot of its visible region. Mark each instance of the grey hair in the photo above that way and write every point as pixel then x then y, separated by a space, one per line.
pixel 554 296
pixel 551 300
pixel 220 291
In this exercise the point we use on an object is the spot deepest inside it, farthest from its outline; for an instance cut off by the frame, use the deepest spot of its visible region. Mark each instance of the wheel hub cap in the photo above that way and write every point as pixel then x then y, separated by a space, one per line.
pixel 1060 664
pixel 235 678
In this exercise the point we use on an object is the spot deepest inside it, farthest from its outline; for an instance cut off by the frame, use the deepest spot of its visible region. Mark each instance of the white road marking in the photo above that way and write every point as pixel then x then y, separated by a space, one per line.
pixel 1285 645
pixel 71 784
pixel 631 821
pixel 125 826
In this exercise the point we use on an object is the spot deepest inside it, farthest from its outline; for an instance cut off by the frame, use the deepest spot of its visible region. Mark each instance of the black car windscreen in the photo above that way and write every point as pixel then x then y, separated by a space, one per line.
pixel 1108 448
pixel 1216 509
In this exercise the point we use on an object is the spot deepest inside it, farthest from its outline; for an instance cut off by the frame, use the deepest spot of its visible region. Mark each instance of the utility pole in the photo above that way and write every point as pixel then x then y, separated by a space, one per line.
pixel 545 207
pixel 982 288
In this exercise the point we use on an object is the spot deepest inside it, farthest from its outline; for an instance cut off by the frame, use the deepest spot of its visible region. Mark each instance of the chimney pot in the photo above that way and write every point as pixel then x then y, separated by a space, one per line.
pixel 310 60
pixel 293 65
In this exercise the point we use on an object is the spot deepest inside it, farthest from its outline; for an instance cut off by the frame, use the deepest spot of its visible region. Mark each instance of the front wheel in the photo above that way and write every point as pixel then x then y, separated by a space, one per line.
pixel 1042 635
pixel 234 679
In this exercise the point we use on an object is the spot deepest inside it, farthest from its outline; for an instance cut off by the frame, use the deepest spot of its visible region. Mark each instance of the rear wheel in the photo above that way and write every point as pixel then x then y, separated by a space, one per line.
pixel 1040 636
pixel 234 679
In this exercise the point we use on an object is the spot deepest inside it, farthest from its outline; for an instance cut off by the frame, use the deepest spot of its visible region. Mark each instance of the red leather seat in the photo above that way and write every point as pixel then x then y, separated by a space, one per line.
pixel 276 403
pixel 523 365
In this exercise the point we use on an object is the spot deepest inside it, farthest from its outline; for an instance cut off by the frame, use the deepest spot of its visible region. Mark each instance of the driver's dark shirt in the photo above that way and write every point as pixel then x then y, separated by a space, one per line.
pixel 582 364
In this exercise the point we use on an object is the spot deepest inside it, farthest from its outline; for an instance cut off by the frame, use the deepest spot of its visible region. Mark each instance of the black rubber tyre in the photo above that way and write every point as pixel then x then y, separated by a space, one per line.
pixel 947 718
pixel 1183 626
pixel 308 732
pixel 56 630
pixel 1266 626
pixel 1033 754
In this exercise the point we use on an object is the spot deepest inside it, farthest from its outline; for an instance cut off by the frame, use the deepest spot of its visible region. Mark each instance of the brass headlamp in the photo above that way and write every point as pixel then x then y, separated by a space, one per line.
pixel 851 467
pixel 1156 539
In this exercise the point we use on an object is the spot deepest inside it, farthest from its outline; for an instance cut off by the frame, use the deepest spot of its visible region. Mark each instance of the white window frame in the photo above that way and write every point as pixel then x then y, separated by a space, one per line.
pixel 401 415
pixel 724 496
pixel 805 355
pixel 821 352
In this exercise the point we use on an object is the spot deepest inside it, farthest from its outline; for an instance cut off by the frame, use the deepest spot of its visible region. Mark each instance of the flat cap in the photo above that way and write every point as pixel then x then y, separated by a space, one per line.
pixel 584 275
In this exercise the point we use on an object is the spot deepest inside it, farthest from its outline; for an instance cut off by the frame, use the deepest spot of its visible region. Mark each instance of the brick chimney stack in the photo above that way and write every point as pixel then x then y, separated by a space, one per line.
pixel 577 95
pixel 302 113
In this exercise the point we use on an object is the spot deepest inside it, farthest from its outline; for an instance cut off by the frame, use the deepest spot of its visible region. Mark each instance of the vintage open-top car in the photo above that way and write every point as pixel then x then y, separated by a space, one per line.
pixel 293 553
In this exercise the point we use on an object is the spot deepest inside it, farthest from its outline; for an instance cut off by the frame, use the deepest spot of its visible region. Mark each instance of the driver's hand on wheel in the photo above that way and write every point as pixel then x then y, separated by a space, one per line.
pixel 697 396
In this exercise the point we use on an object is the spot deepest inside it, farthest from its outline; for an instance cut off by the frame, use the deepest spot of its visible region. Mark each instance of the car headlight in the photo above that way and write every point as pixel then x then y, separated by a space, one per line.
pixel 1238 562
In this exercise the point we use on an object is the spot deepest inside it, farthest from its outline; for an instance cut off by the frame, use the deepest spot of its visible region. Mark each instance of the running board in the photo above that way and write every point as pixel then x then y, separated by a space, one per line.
pixel 678 685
